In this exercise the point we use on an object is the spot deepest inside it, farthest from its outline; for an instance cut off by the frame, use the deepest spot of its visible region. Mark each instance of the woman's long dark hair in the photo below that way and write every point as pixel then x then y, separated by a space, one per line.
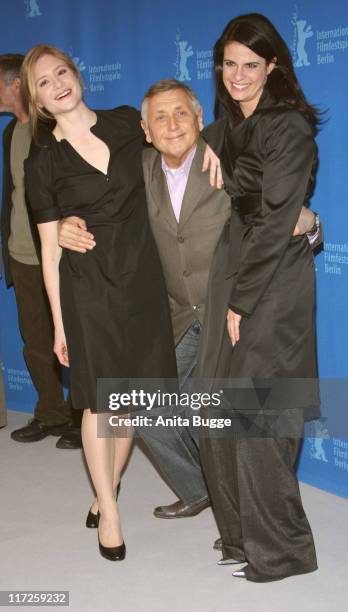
pixel 258 34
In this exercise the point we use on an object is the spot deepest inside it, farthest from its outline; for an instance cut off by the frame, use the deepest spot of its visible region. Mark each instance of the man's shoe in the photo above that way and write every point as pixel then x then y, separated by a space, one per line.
pixel 181 510
pixel 218 544
pixel 70 439
pixel 36 430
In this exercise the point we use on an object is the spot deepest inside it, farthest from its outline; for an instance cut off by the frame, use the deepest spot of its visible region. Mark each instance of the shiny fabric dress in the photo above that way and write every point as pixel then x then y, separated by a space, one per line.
pixel 114 301
pixel 267 276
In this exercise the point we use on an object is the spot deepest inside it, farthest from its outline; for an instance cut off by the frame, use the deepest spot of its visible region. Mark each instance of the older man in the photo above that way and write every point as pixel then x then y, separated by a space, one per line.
pixel 187 215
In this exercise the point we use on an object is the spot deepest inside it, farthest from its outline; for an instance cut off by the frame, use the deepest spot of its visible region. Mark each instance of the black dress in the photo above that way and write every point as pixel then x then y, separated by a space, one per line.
pixel 114 301
pixel 265 274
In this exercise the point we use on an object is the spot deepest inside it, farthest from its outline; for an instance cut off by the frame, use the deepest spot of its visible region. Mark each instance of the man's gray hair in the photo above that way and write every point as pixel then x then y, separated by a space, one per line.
pixel 168 85
pixel 10 67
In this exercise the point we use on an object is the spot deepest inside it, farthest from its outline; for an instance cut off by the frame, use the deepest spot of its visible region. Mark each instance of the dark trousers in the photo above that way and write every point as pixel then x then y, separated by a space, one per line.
pixel 256 500
pixel 36 327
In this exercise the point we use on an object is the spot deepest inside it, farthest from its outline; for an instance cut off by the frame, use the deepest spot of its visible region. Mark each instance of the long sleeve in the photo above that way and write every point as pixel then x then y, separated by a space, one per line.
pixel 214 135
pixel 288 162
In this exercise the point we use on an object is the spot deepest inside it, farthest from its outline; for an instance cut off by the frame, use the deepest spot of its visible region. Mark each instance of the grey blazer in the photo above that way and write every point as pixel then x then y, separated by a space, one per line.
pixel 185 248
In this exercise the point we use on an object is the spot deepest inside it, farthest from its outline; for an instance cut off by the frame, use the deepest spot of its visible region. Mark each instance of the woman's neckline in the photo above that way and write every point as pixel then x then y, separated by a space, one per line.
pixel 93 125
pixel 67 144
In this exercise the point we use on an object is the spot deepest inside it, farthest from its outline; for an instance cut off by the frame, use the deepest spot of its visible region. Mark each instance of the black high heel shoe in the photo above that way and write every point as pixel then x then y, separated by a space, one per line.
pixel 112 553
pixel 92 519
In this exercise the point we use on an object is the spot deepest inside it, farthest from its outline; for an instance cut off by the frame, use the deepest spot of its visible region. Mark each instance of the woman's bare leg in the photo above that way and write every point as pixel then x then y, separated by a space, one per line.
pixel 105 458
pixel 105 466
pixel 122 450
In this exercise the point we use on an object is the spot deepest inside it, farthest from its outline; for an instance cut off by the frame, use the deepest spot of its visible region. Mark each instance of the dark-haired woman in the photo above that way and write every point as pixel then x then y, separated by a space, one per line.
pixel 263 282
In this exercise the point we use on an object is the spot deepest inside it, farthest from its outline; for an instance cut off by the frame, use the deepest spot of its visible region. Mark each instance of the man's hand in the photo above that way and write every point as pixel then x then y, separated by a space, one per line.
pixel 73 235
pixel 233 323
pixel 212 162
pixel 305 222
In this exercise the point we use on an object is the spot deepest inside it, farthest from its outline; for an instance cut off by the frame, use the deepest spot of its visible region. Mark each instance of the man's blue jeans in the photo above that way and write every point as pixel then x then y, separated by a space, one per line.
pixel 174 447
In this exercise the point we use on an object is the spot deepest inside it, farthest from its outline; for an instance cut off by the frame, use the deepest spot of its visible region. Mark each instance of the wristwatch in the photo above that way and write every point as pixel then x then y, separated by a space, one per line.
pixel 316 225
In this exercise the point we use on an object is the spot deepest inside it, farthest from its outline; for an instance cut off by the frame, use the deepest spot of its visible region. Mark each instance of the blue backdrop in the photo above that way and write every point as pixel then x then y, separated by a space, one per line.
pixel 121 48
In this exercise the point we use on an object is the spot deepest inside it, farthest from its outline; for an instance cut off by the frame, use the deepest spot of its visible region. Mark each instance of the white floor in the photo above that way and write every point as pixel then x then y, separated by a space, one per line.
pixel 170 565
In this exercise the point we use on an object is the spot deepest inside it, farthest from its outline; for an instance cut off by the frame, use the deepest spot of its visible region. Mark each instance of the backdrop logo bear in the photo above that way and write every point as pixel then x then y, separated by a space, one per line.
pixel 184 51
pixel 320 433
pixel 302 32
pixel 32 8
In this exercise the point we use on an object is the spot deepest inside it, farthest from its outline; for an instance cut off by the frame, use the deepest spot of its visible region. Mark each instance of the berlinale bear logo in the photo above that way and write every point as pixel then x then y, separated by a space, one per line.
pixel 320 434
pixel 32 8
pixel 302 32
pixel 184 51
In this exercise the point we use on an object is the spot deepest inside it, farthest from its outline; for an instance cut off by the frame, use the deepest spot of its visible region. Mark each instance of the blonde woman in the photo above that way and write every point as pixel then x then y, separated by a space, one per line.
pixel 109 306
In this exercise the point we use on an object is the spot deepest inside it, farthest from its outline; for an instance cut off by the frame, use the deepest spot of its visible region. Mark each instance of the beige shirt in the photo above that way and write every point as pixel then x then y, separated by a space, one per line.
pixel 20 244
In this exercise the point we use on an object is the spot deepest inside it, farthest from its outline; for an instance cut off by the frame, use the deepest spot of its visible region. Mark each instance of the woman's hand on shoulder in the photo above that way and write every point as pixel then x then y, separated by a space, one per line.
pixel 212 162
pixel 233 324
pixel 60 347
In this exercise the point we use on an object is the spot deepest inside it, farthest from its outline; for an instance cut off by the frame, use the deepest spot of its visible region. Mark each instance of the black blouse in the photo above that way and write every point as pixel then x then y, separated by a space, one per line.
pixel 61 183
